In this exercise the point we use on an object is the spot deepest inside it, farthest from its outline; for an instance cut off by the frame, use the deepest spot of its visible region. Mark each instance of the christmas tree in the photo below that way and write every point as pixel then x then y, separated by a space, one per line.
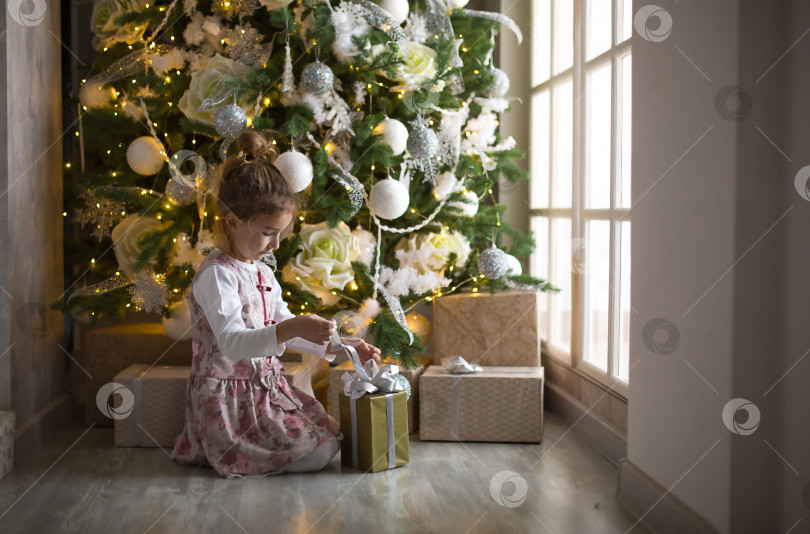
pixel 385 114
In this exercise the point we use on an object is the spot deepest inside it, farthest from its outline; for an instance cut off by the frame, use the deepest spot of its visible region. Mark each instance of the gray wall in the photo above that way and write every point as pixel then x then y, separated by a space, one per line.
pixel 718 251
pixel 32 374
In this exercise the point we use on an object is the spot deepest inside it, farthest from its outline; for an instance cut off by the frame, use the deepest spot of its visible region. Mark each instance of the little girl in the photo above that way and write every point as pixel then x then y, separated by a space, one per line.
pixel 243 417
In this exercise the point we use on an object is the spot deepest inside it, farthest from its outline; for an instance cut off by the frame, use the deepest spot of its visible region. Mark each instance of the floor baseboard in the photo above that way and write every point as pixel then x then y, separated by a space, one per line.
pixel 658 510
pixel 604 437
pixel 45 425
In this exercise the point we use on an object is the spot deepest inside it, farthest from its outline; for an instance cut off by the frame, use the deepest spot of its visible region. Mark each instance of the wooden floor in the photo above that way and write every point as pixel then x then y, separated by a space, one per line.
pixel 82 483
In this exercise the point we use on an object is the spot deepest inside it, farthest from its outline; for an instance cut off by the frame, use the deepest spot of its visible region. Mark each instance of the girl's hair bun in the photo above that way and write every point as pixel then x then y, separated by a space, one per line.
pixel 254 146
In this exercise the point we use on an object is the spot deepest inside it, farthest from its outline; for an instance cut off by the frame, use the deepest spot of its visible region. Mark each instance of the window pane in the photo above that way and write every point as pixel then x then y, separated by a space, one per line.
pixel 597 19
pixel 627 19
pixel 563 35
pixel 562 144
pixel 626 125
pixel 623 363
pixel 539 154
pixel 560 327
pixel 539 266
pixel 541 41
pixel 597 138
pixel 594 263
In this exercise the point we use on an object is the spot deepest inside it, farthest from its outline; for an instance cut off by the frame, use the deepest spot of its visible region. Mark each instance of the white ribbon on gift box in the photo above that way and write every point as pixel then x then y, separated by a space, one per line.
pixel 458 366
pixel 369 378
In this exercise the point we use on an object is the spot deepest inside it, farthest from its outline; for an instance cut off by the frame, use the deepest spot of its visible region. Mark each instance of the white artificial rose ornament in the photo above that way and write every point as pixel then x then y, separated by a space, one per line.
pixel 419 67
pixel 431 252
pixel 203 81
pixel 107 32
pixel 127 237
pixel 325 263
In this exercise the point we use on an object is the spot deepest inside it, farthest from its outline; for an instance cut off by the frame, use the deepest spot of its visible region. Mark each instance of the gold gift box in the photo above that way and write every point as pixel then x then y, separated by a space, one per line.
pixel 412 375
pixel 497 404
pixel 499 330
pixel 372 426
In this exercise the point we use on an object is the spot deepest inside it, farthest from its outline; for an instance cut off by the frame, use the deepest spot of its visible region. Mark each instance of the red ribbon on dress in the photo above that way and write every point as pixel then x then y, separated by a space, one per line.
pixel 262 288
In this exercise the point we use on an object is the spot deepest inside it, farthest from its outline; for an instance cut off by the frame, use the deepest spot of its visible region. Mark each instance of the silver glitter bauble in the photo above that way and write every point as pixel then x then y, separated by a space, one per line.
pixel 492 263
pixel 500 84
pixel 422 142
pixel 406 386
pixel 317 78
pixel 180 194
pixel 230 121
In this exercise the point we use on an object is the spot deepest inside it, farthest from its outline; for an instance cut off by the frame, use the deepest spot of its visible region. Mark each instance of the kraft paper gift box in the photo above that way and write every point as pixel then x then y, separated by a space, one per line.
pixel 158 412
pixel 299 374
pixel 375 431
pixel 500 329
pixel 496 404
pixel 7 421
pixel 336 388
pixel 108 351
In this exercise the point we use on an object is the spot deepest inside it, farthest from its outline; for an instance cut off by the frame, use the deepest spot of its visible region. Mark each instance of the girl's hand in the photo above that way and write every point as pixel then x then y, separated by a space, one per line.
pixel 312 327
pixel 365 351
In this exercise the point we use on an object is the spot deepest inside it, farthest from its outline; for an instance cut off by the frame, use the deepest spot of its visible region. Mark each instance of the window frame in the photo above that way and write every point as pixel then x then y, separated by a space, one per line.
pixel 578 214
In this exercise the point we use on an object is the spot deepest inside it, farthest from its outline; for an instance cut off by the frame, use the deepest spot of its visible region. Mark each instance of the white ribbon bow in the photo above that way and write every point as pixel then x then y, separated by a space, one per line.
pixel 366 378
pixel 458 365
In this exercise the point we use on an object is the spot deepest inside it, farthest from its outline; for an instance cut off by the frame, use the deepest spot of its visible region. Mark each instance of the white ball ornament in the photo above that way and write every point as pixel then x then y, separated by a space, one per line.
pixel 96 95
pixel 399 9
pixel 296 168
pixel 145 155
pixel 513 266
pixel 394 134
pixel 388 199
pixel 467 207
pixel 500 84
pixel 178 324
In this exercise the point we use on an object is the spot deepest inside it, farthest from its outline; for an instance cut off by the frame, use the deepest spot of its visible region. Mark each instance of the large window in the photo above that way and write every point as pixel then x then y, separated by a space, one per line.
pixel 580 180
